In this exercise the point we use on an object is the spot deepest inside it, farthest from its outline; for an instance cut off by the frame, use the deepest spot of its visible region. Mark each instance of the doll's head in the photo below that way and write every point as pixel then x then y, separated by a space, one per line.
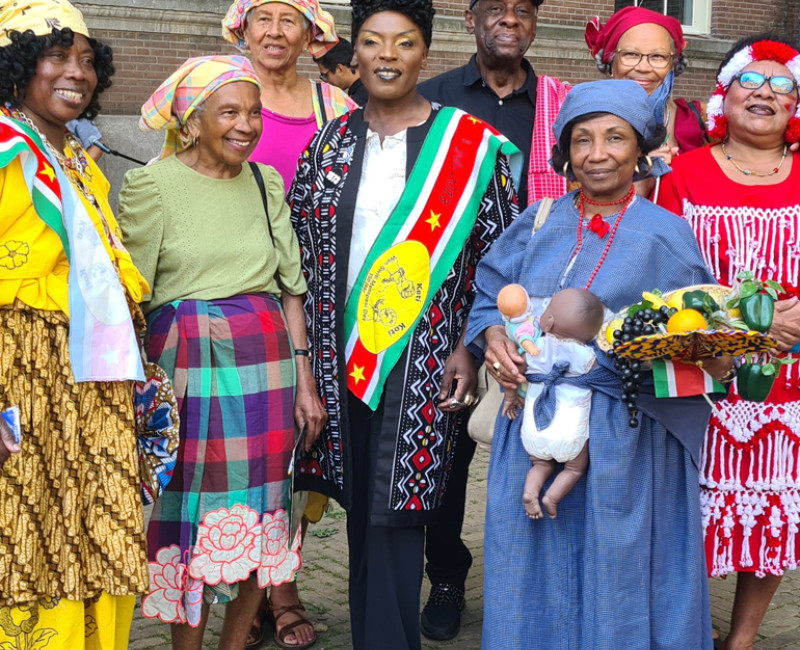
pixel 513 301
pixel 573 314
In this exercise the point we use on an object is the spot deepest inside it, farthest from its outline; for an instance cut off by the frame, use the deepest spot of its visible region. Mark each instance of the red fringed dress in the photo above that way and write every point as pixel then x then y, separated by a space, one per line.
pixel 750 477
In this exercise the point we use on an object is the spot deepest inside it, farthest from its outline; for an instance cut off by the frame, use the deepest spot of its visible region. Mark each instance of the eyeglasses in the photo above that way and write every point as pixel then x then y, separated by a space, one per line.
pixel 324 76
pixel 656 60
pixel 754 80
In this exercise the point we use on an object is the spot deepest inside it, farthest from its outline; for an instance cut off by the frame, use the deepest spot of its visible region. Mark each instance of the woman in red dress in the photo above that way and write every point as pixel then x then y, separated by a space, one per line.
pixel 742 198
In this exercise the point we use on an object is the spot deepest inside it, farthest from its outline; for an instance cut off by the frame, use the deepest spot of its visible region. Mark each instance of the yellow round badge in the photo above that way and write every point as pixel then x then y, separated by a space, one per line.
pixel 393 295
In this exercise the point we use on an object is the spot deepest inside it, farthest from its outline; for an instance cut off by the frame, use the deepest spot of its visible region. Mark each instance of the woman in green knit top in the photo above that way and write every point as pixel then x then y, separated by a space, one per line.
pixel 225 320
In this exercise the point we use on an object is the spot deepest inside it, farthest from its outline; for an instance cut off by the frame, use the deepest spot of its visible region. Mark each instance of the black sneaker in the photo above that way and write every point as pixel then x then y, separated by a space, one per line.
pixel 441 616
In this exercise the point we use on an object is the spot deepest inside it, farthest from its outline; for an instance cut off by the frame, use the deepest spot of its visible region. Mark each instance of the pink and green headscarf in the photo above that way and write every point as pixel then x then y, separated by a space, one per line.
pixel 323 33
pixel 169 107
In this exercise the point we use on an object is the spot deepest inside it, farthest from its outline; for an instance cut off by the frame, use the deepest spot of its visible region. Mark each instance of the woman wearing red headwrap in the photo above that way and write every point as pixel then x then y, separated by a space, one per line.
pixel 647 47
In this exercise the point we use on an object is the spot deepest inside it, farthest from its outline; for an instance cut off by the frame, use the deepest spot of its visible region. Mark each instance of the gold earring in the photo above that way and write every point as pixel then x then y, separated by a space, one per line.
pixel 566 169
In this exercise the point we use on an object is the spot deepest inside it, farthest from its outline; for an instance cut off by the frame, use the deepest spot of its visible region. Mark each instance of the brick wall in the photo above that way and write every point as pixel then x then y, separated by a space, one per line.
pixel 728 17
pixel 149 42
pixel 143 60
pixel 736 18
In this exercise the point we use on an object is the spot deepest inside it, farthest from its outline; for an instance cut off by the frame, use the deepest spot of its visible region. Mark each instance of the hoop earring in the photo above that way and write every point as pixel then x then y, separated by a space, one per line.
pixel 649 162
pixel 565 170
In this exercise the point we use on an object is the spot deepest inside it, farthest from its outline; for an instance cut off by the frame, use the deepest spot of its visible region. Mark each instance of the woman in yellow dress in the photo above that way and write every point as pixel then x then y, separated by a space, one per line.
pixel 72 555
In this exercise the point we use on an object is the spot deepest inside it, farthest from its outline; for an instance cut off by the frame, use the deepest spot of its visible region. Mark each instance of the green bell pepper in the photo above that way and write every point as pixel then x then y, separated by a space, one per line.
pixel 700 301
pixel 752 383
pixel 757 311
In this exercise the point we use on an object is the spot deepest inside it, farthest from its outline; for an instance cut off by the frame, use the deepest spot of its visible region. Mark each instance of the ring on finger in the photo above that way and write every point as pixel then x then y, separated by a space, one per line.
pixel 454 403
pixel 496 366
pixel 469 400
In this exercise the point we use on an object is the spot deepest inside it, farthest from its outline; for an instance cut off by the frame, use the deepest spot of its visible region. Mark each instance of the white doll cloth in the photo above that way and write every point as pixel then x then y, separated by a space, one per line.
pixel 569 429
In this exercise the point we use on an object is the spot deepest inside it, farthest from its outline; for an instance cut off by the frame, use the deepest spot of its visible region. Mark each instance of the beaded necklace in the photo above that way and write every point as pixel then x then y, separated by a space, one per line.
pixel 76 166
pixel 626 200
pixel 750 172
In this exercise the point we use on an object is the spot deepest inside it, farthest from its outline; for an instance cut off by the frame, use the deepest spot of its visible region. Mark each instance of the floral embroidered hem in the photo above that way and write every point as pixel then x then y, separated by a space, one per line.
pixel 231 545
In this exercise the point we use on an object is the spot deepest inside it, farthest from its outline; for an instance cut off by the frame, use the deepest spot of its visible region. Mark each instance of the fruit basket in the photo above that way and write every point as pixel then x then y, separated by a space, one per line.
pixel 710 330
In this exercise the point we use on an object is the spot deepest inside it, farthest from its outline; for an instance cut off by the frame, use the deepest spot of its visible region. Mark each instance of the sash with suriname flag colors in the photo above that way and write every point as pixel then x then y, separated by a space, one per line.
pixel 418 245
pixel 682 380
pixel 102 339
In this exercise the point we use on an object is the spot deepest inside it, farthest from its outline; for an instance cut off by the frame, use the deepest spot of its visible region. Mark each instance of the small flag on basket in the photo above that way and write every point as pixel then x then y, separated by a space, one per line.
pixel 682 380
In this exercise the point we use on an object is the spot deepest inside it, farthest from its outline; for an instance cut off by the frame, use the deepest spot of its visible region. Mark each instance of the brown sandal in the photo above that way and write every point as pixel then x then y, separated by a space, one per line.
pixel 257 631
pixel 282 632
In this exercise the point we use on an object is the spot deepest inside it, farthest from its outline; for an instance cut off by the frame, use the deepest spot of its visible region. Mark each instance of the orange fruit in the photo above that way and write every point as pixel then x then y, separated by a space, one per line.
pixel 686 320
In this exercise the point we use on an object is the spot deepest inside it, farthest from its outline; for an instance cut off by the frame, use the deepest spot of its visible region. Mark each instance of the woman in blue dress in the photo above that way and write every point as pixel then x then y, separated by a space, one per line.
pixel 622 565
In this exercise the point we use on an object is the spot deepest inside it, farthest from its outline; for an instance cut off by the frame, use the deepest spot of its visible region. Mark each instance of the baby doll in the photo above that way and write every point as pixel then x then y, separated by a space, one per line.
pixel 572 319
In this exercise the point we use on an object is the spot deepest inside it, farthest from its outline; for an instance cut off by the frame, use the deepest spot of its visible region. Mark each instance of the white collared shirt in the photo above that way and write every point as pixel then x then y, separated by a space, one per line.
pixel 383 179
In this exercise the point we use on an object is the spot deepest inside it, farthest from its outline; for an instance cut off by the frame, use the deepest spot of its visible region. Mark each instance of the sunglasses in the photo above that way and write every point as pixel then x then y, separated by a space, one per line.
pixel 324 76
pixel 754 80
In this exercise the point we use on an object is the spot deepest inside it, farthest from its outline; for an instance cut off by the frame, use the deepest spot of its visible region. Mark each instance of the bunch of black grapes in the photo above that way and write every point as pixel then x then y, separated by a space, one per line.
pixel 641 323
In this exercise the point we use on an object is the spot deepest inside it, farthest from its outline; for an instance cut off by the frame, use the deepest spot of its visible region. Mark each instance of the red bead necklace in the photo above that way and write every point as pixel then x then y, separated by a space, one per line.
pixel 599 226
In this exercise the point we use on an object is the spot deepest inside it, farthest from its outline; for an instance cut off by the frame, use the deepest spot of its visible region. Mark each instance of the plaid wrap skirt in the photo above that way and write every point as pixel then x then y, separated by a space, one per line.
pixel 223 517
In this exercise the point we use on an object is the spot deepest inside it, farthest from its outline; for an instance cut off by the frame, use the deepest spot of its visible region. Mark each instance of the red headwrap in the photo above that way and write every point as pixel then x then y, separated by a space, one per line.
pixel 605 37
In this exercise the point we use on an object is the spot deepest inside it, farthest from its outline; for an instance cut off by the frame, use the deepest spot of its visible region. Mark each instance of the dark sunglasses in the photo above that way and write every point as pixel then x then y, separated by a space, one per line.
pixel 754 80
pixel 324 76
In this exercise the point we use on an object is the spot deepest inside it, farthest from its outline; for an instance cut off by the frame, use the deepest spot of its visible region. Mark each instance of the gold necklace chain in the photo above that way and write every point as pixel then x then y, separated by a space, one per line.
pixel 750 172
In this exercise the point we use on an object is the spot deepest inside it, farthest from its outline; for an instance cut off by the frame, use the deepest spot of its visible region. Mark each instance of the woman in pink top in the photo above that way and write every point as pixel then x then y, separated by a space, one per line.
pixel 275 33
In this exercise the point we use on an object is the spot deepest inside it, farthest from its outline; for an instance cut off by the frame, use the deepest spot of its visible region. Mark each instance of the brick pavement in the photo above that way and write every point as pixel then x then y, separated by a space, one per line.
pixel 323 587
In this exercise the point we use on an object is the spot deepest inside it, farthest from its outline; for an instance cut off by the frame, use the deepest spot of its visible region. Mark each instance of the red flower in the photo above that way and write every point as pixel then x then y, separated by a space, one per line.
pixel 792 133
pixel 720 129
pixel 598 226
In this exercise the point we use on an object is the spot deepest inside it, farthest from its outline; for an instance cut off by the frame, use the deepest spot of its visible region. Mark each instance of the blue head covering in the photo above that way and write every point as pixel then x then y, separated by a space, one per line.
pixel 620 97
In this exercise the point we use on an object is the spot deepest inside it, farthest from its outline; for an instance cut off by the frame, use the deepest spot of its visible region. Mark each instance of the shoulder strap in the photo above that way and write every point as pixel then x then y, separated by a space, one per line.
pixel 322 116
pixel 263 190
pixel 542 213
pixel 695 108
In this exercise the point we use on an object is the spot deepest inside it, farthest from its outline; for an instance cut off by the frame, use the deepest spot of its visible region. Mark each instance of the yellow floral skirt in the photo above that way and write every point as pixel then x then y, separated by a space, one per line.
pixel 71 521
pixel 103 623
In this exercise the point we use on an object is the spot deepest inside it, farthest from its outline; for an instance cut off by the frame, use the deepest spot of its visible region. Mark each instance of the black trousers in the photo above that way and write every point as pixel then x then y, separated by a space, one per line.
pixel 385 561
pixel 448 558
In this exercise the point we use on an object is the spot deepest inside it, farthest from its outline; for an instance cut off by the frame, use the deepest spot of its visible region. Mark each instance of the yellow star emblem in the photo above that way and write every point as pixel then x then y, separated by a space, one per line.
pixel 474 120
pixel 48 171
pixel 434 221
pixel 357 374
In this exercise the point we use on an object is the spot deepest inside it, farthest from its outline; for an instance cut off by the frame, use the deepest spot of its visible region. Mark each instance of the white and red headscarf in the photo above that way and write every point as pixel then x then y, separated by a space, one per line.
pixel 759 51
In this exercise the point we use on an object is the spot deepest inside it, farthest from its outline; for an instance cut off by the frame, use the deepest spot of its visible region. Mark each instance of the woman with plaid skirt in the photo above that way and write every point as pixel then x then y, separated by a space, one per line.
pixel 225 320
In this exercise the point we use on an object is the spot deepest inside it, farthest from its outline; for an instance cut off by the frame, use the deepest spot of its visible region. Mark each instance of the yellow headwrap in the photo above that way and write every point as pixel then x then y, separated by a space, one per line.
pixel 174 101
pixel 39 16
